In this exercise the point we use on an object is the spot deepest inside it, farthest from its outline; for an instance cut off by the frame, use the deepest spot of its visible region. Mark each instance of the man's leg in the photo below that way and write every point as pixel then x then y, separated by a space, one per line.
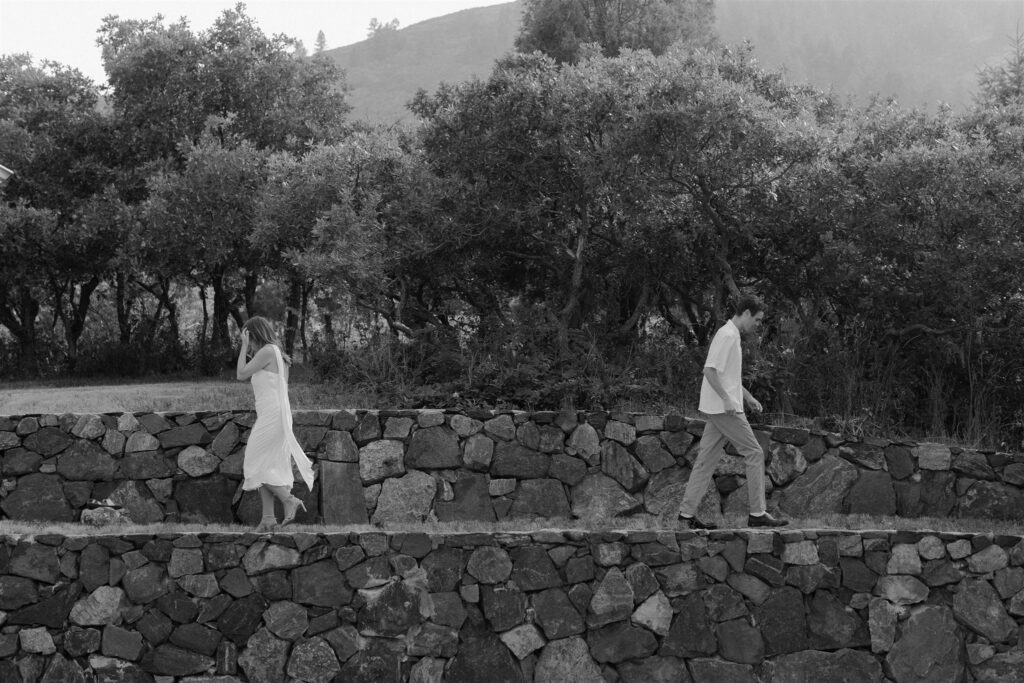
pixel 711 451
pixel 737 430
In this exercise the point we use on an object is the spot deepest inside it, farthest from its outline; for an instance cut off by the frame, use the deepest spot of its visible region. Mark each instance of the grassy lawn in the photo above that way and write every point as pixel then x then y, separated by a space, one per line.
pixel 135 396
pixel 835 522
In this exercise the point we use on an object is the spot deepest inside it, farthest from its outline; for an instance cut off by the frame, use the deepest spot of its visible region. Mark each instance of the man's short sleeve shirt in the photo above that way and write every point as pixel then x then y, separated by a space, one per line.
pixel 726 356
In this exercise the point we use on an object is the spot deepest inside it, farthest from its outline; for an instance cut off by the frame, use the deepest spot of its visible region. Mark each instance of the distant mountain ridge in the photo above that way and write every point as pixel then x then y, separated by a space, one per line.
pixel 921 51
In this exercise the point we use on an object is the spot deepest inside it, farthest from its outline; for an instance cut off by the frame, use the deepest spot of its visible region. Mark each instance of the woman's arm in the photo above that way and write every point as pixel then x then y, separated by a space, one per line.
pixel 260 360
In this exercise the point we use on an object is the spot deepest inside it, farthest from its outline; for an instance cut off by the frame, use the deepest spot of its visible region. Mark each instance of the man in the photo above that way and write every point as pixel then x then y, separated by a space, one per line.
pixel 721 402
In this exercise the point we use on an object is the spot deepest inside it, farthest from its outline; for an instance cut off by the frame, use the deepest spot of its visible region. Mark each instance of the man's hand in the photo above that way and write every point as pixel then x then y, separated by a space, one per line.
pixel 754 404
pixel 731 408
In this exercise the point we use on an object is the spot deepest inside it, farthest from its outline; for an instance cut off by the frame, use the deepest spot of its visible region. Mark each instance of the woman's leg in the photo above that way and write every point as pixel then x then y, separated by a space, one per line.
pixel 290 503
pixel 282 493
pixel 269 519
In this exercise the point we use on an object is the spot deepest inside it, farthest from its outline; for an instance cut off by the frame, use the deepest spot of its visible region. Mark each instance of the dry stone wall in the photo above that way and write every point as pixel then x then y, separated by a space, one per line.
pixel 415 465
pixel 543 607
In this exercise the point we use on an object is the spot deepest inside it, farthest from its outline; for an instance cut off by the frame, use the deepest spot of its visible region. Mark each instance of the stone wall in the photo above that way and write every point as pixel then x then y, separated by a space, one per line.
pixel 544 607
pixel 408 466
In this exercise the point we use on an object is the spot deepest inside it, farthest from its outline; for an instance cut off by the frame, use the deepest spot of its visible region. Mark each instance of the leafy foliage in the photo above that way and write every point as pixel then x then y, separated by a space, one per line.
pixel 567 231
pixel 561 28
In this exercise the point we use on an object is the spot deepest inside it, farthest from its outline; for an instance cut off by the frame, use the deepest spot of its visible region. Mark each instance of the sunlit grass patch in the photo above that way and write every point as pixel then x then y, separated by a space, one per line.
pixel 192 396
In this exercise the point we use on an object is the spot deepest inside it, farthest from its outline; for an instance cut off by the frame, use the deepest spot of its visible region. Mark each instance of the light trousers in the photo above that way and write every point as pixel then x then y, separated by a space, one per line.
pixel 718 429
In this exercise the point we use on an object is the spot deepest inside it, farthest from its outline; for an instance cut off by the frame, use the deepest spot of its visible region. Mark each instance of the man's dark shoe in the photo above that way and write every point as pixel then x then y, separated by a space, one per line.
pixel 765 520
pixel 694 523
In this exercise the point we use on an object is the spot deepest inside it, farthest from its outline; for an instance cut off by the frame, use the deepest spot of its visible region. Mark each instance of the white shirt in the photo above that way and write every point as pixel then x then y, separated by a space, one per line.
pixel 725 356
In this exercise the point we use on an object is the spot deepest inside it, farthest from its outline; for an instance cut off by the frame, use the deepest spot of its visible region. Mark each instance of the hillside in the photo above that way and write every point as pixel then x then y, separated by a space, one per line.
pixel 386 71
pixel 921 51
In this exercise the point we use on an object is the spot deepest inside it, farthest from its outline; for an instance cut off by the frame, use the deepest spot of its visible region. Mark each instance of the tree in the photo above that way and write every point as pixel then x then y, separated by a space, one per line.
pixel 321 42
pixel 63 150
pixel 360 220
pixel 559 28
pixel 616 187
pixel 379 29
pixel 22 285
pixel 168 82
pixel 1003 84
pixel 199 222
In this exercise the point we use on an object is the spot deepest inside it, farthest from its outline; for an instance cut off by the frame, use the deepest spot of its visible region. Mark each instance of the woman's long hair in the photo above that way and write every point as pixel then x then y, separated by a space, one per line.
pixel 261 333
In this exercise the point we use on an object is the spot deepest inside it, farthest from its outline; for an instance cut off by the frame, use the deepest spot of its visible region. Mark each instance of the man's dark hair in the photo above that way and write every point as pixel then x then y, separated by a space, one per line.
pixel 748 303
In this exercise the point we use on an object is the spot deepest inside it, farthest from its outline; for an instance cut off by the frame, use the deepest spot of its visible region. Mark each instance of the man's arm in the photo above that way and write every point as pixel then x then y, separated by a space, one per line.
pixel 711 374
pixel 751 401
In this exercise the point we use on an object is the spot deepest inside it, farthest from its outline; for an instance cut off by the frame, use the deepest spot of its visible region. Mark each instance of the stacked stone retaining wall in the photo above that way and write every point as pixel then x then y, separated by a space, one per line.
pixel 416 465
pixel 542 607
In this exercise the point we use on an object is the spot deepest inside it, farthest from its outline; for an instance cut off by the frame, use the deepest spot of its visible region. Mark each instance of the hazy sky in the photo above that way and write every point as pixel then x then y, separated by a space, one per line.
pixel 65 30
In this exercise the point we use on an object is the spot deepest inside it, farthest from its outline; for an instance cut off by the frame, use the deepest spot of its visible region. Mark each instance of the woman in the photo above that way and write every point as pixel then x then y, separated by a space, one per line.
pixel 272 446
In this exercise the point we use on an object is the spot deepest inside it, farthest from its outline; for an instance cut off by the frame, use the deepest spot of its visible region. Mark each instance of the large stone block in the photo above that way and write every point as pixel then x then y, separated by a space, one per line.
pixel 621 466
pixel 930 647
pixel 556 614
pixel 489 564
pixel 783 622
pixel 1006 667
pixel 147 465
pixel 433 448
pixel 978 607
pixel 320 584
pixel 264 658
pixel 342 493
pixel 504 605
pixel 933 456
pixel 48 441
pixel 513 460
pixel 652 453
pixel 974 465
pixel 787 463
pixel 620 642
pixel 85 461
pixel 381 459
pixel 833 625
pixel 480 659
pixel 405 499
pixel 205 501
pixel 39 497
pixel 194 434
pixel 196 461
pixel 472 500
pixel 992 500
pixel 600 497
pixel 821 489
pixel 540 498
pixel 391 610
pixel 740 642
pixel 872 494
pixel 586 443
pixel 845 666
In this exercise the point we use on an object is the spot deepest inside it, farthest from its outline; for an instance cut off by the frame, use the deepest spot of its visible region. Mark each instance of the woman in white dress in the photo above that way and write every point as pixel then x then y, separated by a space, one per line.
pixel 272 446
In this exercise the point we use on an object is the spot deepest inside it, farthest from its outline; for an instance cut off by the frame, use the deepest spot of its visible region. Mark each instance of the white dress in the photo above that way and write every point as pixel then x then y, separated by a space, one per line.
pixel 272 445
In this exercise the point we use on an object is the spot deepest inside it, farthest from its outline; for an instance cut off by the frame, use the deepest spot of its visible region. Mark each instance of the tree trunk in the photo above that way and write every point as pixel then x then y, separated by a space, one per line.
pixel 124 305
pixel 328 321
pixel 251 281
pixel 220 342
pixel 302 324
pixel 206 325
pixel 292 314
pixel 20 320
pixel 74 318
pixel 568 312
